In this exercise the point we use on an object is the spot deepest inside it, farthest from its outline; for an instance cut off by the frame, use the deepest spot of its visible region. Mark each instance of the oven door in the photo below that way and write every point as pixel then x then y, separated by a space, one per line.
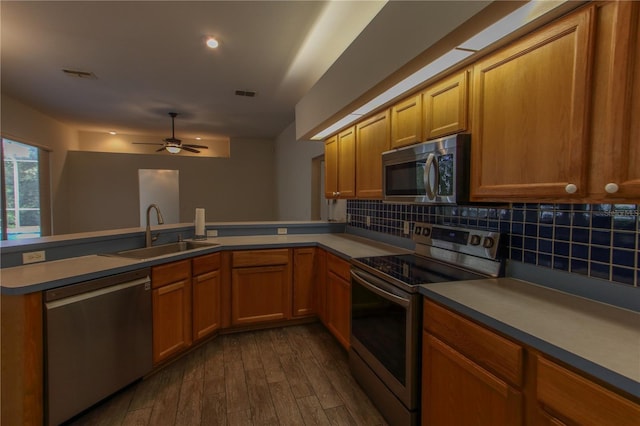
pixel 385 333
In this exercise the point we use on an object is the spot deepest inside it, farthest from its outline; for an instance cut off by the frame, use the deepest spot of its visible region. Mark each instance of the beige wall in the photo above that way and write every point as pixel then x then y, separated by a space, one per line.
pixel 98 191
pixel 25 124
pixel 104 186
pixel 294 176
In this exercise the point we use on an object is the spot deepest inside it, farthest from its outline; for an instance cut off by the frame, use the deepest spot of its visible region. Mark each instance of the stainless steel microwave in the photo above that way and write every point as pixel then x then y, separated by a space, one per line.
pixel 434 172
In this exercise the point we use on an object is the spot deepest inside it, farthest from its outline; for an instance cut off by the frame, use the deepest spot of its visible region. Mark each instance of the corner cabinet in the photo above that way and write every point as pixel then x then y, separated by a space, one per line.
pixel 171 285
pixel 340 162
pixel 530 112
pixel 372 139
pixel 260 286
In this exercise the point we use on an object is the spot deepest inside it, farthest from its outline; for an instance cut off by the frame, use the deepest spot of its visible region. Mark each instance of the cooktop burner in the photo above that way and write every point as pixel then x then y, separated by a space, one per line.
pixel 415 270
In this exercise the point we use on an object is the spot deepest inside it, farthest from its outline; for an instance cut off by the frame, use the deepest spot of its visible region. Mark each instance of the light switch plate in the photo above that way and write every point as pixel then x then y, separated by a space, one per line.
pixel 368 220
pixel 282 231
pixel 406 227
pixel 212 232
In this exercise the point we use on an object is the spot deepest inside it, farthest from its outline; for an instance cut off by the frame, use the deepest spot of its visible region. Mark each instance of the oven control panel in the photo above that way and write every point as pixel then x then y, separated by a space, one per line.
pixel 475 242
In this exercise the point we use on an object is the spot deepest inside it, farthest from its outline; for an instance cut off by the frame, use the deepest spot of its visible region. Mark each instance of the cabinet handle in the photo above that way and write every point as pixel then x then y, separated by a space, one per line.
pixel 611 188
pixel 571 188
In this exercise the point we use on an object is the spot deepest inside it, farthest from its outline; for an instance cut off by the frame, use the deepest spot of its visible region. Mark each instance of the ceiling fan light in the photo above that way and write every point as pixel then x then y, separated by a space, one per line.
pixel 173 149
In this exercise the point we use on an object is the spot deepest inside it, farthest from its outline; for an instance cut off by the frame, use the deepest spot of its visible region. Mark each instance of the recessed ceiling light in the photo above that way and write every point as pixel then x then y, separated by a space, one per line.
pixel 198 138
pixel 113 133
pixel 212 42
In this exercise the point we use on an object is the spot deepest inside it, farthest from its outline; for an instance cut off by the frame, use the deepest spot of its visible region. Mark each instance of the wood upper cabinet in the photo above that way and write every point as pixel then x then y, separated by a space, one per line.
pixel 614 169
pixel 171 285
pixel 260 286
pixel 372 139
pixel 340 165
pixel 206 295
pixel 406 121
pixel 573 399
pixel 530 111
pixel 338 301
pixel 446 106
pixel 304 281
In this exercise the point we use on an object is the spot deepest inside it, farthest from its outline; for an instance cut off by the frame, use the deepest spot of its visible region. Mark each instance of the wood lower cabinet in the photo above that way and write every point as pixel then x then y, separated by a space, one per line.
pixel 338 299
pixel 470 375
pixel 569 398
pixel 372 139
pixel 457 391
pixel 206 286
pixel 172 331
pixel 321 285
pixel 304 282
pixel 260 286
pixel 473 375
pixel 530 112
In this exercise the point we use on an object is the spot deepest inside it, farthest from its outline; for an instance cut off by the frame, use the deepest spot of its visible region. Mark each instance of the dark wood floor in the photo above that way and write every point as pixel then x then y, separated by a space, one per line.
pixel 286 376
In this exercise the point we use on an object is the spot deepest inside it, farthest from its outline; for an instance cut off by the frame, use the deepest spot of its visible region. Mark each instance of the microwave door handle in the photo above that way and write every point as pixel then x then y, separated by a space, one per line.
pixel 429 189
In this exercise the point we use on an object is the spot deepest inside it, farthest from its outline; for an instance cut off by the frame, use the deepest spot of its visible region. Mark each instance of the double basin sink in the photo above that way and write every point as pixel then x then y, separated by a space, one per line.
pixel 162 249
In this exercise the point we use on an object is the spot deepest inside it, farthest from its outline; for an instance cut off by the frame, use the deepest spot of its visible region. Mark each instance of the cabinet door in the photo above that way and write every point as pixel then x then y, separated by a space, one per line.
pixel 260 294
pixel 619 147
pixel 206 304
pixel 339 308
pixel 347 163
pixel 406 122
pixel 445 106
pixel 171 319
pixel 304 281
pixel 372 139
pixel 331 167
pixel 321 285
pixel 578 400
pixel 456 391
pixel 531 103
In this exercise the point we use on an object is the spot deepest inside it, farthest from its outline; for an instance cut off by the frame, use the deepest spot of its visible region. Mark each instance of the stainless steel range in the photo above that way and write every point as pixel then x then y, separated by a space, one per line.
pixel 386 310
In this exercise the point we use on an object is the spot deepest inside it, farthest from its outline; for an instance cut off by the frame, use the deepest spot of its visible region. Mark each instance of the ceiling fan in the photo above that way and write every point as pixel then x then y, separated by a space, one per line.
pixel 172 144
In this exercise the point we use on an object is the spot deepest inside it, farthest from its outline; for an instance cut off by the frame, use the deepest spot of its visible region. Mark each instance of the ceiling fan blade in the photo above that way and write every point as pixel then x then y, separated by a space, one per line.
pixel 161 149
pixel 188 148
pixel 147 143
pixel 195 146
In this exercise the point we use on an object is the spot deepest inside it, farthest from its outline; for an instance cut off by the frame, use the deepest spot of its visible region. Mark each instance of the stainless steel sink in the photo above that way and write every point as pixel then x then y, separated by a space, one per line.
pixel 163 249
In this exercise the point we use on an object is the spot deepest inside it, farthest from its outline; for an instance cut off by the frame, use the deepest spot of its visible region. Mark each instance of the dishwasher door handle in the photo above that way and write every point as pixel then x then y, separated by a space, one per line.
pixel 95 293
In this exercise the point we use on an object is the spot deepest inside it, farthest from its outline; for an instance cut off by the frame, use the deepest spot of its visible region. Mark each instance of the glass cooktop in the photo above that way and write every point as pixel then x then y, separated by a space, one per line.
pixel 415 270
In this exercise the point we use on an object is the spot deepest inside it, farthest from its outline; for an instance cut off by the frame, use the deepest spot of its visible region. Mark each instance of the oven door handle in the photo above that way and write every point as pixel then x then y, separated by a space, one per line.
pixel 377 286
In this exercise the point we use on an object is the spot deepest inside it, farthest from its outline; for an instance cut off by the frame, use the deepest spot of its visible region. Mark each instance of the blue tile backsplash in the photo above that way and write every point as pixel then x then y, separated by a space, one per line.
pixel 597 240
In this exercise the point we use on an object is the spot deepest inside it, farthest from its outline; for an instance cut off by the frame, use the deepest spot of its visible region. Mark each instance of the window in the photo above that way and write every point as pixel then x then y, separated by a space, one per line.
pixel 21 190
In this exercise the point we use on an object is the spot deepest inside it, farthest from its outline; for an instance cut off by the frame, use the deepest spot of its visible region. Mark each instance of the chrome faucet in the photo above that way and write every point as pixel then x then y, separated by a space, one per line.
pixel 147 233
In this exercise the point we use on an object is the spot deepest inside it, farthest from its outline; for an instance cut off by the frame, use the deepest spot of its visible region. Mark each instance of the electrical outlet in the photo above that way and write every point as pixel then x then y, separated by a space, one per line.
pixel 212 232
pixel 368 220
pixel 282 231
pixel 348 217
pixel 406 227
pixel 33 257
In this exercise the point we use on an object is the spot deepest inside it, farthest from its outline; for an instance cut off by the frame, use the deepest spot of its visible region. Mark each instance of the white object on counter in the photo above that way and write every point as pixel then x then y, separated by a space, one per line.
pixel 199 223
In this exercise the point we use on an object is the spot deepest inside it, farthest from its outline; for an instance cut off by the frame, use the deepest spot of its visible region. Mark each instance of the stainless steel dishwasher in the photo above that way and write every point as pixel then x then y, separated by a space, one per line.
pixel 98 340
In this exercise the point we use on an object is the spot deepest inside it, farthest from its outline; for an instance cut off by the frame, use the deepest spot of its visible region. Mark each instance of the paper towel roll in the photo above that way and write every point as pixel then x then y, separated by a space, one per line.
pixel 200 223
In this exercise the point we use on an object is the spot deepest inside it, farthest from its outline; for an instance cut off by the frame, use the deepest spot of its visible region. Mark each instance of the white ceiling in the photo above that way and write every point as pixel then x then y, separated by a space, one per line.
pixel 149 58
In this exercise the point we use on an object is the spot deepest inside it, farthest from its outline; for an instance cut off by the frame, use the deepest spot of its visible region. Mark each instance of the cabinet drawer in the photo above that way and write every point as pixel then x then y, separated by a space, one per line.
pixel 495 353
pixel 206 263
pixel 241 259
pixel 338 266
pixel 170 272
pixel 581 400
